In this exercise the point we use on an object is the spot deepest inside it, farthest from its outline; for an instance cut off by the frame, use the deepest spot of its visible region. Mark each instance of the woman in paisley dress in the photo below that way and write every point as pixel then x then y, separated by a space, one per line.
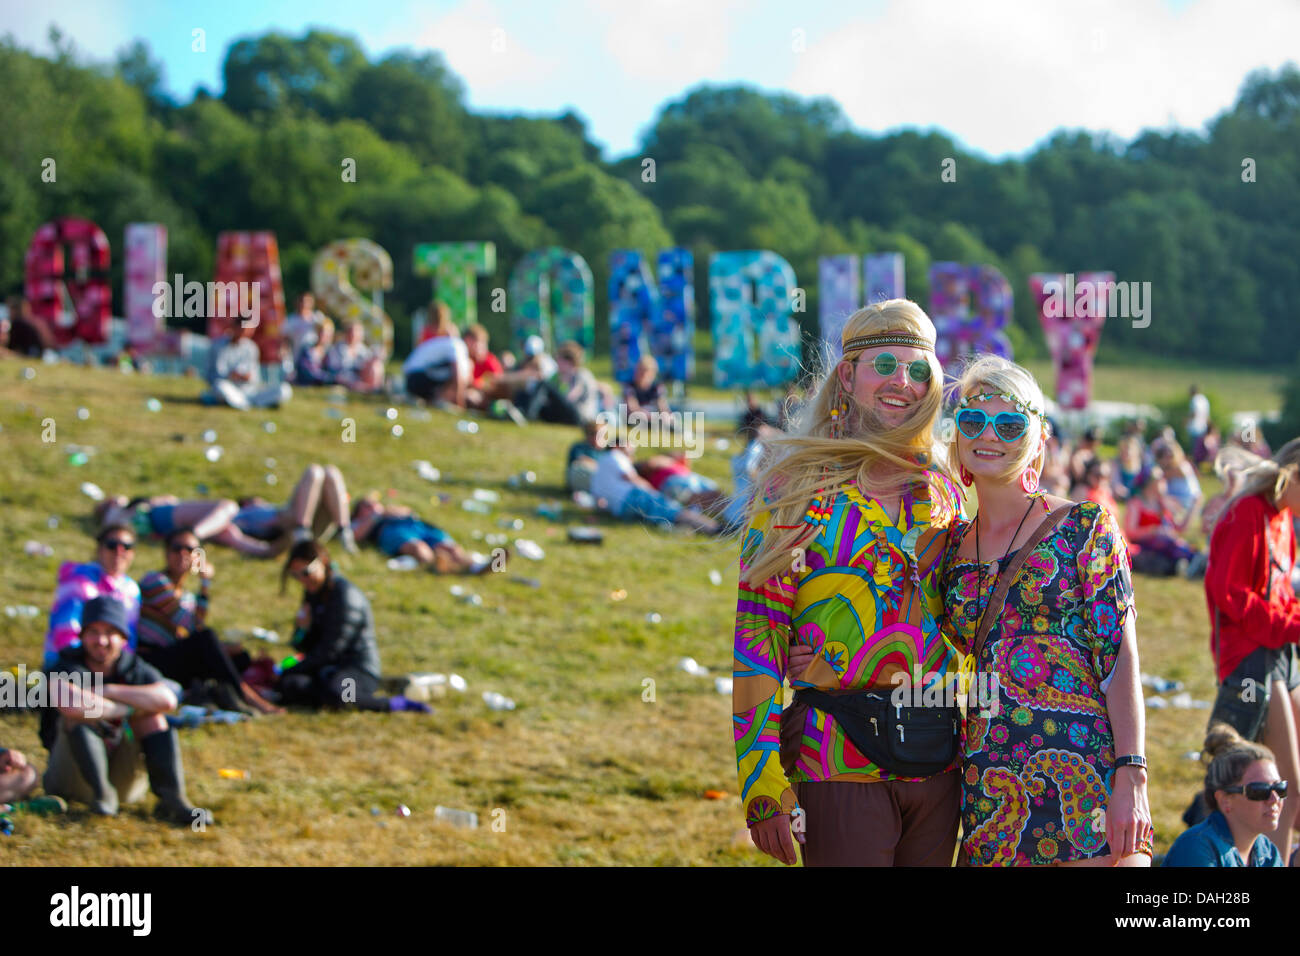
pixel 1039 781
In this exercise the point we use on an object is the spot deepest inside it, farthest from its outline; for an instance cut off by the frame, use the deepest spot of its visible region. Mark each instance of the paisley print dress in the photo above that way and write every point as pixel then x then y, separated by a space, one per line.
pixel 1039 749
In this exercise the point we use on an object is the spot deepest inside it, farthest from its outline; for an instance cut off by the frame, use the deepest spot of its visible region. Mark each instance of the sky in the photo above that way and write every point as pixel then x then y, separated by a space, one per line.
pixel 998 75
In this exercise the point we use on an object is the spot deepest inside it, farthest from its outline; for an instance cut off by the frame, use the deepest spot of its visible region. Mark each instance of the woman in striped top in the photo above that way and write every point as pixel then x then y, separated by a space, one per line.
pixel 173 632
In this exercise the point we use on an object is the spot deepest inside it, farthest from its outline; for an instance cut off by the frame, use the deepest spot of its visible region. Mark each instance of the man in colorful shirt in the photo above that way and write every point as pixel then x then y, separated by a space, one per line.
pixel 855 576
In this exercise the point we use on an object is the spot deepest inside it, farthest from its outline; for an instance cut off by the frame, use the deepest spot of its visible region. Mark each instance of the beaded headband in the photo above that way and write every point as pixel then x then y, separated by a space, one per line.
pixel 909 339
pixel 1024 407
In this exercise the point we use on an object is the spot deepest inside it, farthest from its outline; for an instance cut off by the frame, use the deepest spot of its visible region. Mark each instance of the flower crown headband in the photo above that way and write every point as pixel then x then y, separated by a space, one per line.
pixel 1024 407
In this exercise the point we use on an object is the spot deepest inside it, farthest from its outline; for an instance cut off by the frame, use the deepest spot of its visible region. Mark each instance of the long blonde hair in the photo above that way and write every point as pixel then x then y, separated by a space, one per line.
pixel 992 373
pixel 1270 476
pixel 820 455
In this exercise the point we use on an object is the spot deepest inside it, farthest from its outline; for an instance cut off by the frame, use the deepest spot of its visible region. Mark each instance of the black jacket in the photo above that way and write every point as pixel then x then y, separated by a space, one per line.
pixel 342 632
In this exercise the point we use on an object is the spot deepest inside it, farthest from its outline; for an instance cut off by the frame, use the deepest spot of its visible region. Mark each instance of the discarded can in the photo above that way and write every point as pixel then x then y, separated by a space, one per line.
pixel 715 577
pixel 403 562
pixel 497 701
pixel 467 427
pixel 34 549
pixel 531 582
pixel 92 491
pixel 484 494
pixel 213 453
pixel 586 535
pixel 653 618
pixel 478 507
pixel 271 479
pixel 268 427
pixel 722 685
pixel 426 471
pixel 402 810
pixel 83 414
pixel 270 463
pixel 210 436
pixel 153 405
pixel 228 773
pixel 391 414
pixel 78 458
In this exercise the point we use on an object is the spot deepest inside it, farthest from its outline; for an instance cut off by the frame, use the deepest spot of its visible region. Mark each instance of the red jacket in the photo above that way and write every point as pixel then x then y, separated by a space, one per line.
pixel 1248 582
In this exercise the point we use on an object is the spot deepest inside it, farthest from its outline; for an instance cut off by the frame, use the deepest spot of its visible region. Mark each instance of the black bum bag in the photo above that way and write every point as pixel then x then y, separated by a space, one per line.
pixel 904 741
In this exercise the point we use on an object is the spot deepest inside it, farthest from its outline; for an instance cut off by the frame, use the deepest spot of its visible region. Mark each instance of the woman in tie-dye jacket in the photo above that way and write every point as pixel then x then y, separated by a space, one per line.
pixel 78 583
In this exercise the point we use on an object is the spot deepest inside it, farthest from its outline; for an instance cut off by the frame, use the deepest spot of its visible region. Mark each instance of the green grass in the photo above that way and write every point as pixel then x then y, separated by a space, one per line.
pixel 583 772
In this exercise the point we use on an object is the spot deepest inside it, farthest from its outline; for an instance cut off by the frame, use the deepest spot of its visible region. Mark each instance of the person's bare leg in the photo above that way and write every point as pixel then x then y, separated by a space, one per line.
pixel 206 519
pixel 334 496
pixel 17 784
pixel 257 701
pixel 1281 738
pixel 306 497
pixel 232 537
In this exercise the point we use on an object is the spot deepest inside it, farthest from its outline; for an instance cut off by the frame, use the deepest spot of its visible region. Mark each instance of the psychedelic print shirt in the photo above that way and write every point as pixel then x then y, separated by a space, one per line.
pixel 865 596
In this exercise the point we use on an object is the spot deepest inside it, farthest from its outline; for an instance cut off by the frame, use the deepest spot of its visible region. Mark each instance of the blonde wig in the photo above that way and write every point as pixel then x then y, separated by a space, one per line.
pixel 833 440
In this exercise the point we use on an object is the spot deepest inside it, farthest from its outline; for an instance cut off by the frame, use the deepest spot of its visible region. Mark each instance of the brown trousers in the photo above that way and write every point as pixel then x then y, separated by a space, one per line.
pixel 889 823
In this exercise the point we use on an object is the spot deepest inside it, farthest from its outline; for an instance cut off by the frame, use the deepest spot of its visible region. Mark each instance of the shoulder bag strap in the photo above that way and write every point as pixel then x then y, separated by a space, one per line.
pixel 1008 576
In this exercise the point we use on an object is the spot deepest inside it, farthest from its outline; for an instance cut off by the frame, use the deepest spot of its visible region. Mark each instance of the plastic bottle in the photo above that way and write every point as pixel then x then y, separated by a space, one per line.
pixel 403 562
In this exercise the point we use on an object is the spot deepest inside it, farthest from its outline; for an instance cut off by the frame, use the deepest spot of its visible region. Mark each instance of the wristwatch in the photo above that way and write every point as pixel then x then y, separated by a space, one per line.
pixel 1130 760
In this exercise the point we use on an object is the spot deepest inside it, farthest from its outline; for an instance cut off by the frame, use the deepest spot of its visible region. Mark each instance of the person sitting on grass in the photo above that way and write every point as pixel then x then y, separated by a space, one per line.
pixel 1096 486
pixel 159 515
pixel 17 781
pixel 625 494
pixel 317 507
pixel 334 640
pixel 235 374
pixel 92 758
pixel 396 530
pixel 310 359
pixel 1151 530
pixel 1181 483
pixel 355 365
pixel 645 396
pixel 438 369
pixel 755 430
pixel 79 583
pixel 1245 794
pixel 173 633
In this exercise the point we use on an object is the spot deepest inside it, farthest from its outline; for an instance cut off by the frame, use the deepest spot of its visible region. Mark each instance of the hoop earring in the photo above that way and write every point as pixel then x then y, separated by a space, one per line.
pixel 967 478
pixel 1029 481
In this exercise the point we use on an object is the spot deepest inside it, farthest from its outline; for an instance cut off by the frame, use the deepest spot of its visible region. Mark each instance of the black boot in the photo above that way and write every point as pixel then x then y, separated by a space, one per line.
pixel 162 758
pixel 91 757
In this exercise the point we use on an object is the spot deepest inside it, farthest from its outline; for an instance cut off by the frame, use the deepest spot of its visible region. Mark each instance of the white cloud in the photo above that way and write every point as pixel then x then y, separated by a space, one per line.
pixel 479 46
pixel 1002 75
pixel 668 39
pixel 98 29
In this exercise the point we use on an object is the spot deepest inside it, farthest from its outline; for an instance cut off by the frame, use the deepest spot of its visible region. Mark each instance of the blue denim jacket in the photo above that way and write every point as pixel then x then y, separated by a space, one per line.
pixel 1210 843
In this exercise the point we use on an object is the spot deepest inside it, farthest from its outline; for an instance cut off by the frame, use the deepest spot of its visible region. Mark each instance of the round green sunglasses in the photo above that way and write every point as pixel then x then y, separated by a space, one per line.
pixel 886 364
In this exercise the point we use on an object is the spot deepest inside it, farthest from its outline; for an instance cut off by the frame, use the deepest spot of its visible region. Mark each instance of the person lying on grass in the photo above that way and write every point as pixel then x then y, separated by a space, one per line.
pixel 625 494
pixel 319 503
pixel 17 781
pixel 396 530
pixel 159 515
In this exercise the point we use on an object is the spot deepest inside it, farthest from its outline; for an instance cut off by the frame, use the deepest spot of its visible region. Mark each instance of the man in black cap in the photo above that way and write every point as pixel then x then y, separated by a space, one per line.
pixel 93 761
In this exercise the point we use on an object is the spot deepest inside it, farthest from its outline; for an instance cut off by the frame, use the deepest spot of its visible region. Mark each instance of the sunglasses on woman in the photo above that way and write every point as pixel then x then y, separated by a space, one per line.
pixel 1008 426
pixel 113 544
pixel 184 548
pixel 886 365
pixel 1259 792
pixel 303 573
